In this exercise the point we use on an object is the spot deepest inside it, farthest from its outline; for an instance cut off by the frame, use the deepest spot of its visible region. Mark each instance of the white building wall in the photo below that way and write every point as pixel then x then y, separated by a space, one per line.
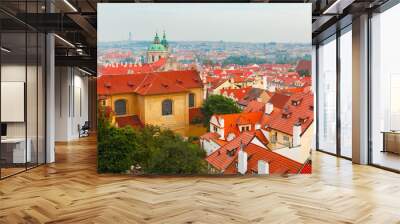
pixel 209 146
pixel 71 103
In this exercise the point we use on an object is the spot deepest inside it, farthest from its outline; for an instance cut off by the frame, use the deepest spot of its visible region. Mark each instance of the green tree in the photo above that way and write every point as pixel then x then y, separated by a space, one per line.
pixel 304 73
pixel 174 155
pixel 218 104
pixel 155 150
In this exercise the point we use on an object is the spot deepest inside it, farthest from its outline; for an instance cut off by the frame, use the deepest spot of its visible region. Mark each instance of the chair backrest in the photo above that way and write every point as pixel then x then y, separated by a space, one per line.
pixel 86 125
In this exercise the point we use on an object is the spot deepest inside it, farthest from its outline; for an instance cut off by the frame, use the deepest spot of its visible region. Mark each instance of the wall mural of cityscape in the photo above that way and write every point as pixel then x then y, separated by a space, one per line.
pixel 205 89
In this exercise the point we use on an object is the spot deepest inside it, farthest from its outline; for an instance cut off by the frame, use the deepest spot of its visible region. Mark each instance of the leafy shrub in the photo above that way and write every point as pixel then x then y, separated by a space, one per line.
pixel 154 150
pixel 218 104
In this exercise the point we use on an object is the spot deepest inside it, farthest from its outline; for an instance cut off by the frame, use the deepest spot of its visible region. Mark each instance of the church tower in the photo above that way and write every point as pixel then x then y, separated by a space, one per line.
pixel 158 49
pixel 164 41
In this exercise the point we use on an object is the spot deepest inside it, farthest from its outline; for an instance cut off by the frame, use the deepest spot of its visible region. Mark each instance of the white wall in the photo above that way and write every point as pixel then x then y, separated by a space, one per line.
pixel 209 146
pixel 71 102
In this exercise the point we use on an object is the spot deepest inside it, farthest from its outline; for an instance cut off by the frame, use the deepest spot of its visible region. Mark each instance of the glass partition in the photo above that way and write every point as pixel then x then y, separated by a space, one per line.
pixel 327 96
pixel 14 154
pixel 385 89
pixel 346 93
pixel 22 92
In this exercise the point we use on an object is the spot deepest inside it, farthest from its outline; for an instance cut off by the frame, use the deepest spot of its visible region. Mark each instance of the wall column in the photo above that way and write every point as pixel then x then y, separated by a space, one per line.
pixel 50 98
pixel 360 90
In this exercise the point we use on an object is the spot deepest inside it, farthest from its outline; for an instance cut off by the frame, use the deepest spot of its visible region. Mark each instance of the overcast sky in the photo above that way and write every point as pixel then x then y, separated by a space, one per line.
pixel 246 22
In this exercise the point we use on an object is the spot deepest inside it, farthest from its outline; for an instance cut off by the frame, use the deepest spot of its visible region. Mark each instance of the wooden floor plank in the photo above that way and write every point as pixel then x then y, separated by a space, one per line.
pixel 70 191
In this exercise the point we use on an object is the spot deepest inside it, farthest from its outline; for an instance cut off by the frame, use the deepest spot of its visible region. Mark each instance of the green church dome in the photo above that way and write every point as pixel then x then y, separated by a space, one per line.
pixel 157 47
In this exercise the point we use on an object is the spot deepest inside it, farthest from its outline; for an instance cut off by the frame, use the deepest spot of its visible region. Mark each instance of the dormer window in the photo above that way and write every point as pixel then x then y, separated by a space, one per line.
pixel 296 102
pixel 231 152
pixel 303 120
pixel 286 114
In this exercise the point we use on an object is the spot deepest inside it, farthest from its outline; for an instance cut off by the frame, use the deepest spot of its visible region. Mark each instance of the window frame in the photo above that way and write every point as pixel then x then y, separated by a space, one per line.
pixel 125 109
pixel 163 112
pixel 194 100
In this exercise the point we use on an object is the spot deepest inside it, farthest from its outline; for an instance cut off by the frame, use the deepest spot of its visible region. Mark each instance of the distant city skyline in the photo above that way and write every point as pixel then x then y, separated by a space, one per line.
pixel 245 22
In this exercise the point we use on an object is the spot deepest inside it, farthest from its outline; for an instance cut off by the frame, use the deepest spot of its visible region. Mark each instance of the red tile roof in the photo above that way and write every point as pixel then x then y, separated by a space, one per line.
pixel 303 65
pixel 302 113
pixel 231 121
pixel 254 106
pixel 216 83
pixel 132 121
pixel 279 100
pixel 221 159
pixel 117 55
pixel 237 93
pixel 214 137
pixel 278 164
pixel 125 68
pixel 260 135
pixel 149 83
pixel 225 158
pixel 289 79
pixel 210 136
pixel 307 168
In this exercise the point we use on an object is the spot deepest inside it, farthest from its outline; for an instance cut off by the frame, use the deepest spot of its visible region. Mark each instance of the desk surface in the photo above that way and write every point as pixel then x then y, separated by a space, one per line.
pixel 13 140
pixel 391 132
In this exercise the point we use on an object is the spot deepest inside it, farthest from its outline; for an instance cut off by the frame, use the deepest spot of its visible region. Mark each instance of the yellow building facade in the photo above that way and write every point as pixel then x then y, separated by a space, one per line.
pixel 149 107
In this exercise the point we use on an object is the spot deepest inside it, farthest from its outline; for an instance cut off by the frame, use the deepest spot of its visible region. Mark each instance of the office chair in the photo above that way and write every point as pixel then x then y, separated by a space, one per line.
pixel 84 130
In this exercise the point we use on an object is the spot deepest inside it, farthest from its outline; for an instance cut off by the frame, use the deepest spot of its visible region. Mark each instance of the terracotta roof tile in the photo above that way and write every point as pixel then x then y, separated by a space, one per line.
pixel 302 113
pixel 231 121
pixel 254 106
pixel 221 159
pixel 149 83
pixel 132 121
pixel 279 100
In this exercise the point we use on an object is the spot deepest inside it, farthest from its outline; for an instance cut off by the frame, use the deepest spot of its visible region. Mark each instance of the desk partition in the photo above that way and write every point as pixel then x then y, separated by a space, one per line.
pixel 22 77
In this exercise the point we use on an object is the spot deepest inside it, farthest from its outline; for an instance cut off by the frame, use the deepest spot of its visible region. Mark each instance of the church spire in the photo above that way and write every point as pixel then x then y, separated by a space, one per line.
pixel 156 39
pixel 164 40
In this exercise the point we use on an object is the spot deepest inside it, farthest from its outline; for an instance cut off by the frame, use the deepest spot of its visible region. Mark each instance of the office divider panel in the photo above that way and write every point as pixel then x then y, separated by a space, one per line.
pixel 22 68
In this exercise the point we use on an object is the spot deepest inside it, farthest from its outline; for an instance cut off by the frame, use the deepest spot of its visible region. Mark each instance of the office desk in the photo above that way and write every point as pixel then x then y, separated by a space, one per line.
pixel 13 150
pixel 391 141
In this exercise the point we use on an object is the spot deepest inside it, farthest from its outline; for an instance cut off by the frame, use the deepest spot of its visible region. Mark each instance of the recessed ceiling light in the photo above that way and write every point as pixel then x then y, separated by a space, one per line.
pixel 84 71
pixel 5 50
pixel 64 40
pixel 70 5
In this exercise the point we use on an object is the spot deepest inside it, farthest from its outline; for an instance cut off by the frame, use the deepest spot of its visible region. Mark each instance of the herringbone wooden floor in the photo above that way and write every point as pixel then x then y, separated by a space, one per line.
pixel 70 191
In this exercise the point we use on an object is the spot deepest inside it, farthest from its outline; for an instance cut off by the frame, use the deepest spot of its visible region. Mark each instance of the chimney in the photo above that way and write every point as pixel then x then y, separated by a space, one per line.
pixel 296 134
pixel 269 107
pixel 242 160
pixel 263 167
pixel 222 122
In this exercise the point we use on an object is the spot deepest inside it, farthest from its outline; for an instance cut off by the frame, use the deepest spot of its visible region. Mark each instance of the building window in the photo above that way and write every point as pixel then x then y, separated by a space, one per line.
pixel 215 129
pixel 191 99
pixel 120 107
pixel 286 138
pixel 167 107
